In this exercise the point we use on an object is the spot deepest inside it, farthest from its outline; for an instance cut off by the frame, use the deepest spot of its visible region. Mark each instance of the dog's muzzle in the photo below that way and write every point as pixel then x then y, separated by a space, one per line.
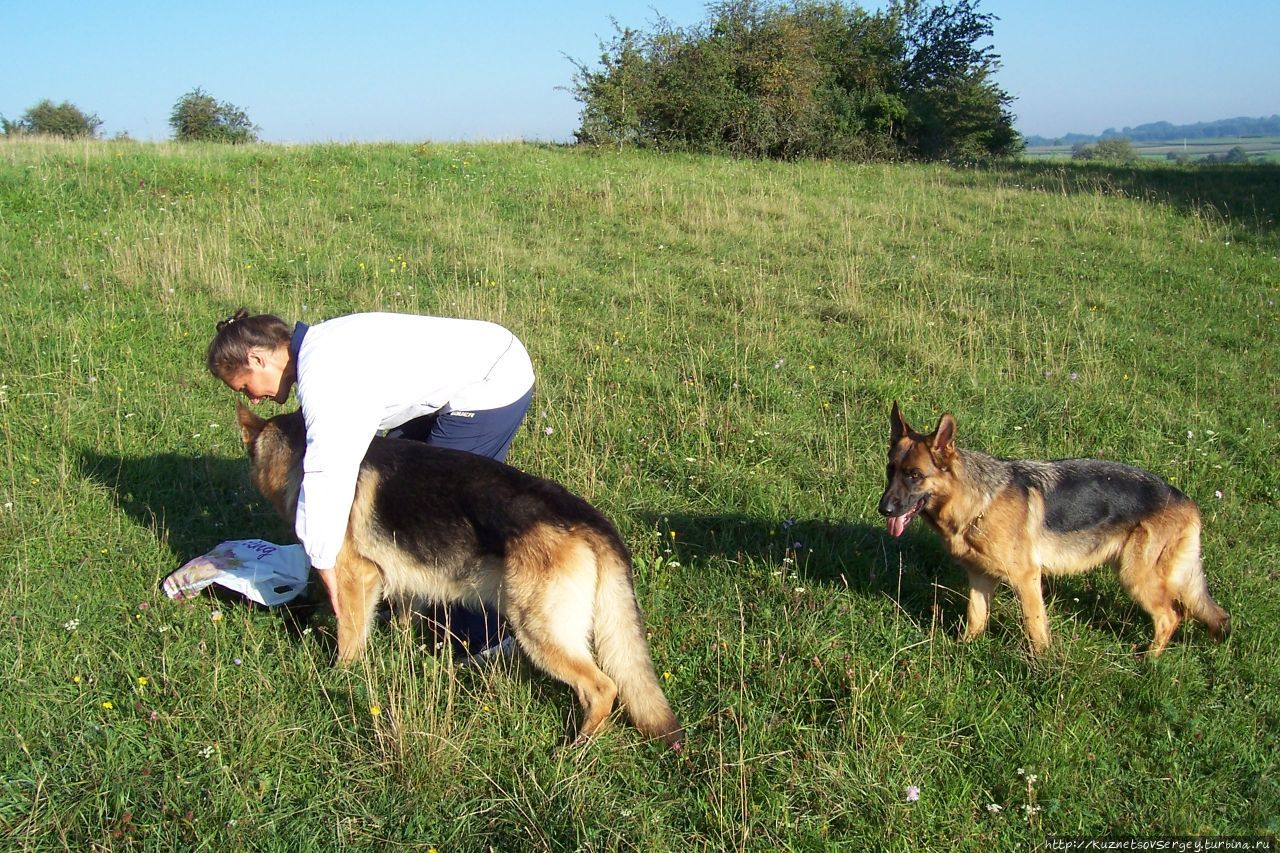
pixel 896 517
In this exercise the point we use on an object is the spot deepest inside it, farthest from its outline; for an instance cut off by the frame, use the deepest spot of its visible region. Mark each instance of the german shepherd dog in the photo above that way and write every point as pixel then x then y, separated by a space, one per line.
pixel 1016 520
pixel 445 525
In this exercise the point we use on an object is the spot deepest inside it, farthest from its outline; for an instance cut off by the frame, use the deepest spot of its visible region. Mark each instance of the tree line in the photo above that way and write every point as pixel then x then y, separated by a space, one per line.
pixel 196 116
pixel 1163 131
pixel 809 78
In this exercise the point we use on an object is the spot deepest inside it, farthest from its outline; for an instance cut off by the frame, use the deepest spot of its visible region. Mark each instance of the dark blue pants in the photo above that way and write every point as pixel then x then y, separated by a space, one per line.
pixel 485 432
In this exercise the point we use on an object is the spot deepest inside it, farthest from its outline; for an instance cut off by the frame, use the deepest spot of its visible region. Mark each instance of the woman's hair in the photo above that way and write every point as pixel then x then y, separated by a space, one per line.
pixel 229 350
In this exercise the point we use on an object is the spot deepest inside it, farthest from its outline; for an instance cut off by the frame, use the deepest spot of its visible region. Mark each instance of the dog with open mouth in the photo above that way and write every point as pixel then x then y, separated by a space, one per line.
pixel 1017 520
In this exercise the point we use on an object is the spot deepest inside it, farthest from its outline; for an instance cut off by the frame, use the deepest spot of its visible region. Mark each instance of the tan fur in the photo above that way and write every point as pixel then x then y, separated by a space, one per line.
pixel 566 594
pixel 1000 535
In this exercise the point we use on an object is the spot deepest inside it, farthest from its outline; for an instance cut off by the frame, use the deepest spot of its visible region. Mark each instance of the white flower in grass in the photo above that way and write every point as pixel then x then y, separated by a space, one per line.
pixel 71 624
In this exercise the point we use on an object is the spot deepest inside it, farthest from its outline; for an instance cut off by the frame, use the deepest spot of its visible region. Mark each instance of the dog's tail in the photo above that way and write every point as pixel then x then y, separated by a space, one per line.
pixel 1188 584
pixel 621 647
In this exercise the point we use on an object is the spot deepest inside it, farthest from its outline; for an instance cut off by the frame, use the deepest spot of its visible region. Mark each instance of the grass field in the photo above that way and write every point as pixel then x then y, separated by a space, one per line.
pixel 1261 149
pixel 718 344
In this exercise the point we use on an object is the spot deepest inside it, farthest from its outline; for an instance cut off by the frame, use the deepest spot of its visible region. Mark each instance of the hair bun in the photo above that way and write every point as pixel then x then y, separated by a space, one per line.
pixel 241 314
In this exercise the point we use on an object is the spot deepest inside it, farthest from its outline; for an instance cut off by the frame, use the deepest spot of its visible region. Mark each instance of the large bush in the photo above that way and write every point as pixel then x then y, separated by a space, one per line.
pixel 808 79
pixel 47 118
pixel 199 117
pixel 1113 149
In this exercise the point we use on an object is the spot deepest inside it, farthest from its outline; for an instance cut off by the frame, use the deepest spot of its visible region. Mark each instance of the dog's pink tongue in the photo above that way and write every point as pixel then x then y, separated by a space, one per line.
pixel 897 524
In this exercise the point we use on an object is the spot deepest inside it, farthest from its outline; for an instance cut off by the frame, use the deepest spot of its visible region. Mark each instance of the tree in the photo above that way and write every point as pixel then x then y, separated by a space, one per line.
pixel 1236 155
pixel 804 78
pixel 47 118
pixel 1083 151
pixel 198 116
pixel 1115 149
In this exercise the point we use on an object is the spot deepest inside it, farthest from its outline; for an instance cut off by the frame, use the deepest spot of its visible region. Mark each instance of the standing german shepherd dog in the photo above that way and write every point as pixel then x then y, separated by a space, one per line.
pixel 445 525
pixel 1015 520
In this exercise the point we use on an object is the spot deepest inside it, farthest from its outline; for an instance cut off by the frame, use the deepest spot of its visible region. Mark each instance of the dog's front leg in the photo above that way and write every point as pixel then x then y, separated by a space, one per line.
pixel 981 587
pixel 1026 583
pixel 359 588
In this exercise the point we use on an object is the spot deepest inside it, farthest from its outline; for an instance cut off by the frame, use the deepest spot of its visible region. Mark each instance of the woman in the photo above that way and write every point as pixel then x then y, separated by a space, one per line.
pixel 464 384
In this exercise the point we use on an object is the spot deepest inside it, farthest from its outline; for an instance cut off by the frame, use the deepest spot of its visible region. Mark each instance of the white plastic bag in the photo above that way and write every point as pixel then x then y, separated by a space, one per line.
pixel 264 572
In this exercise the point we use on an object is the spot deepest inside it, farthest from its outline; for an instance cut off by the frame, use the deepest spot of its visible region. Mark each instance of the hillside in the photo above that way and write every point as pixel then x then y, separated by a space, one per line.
pixel 718 343
pixel 1163 131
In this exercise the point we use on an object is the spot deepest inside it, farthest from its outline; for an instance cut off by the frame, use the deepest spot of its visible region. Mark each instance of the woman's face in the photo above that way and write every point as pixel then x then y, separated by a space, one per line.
pixel 263 377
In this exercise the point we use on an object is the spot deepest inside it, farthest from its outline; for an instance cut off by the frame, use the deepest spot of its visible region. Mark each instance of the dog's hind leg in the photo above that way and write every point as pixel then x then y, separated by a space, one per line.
pixel 1179 563
pixel 981 587
pixel 359 590
pixel 1140 575
pixel 551 614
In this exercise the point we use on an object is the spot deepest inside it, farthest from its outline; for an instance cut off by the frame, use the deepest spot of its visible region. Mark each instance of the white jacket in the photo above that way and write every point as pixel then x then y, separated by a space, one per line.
pixel 363 373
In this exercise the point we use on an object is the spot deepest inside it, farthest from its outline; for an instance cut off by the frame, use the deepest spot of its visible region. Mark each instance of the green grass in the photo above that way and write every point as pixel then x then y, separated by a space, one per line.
pixel 1261 149
pixel 717 343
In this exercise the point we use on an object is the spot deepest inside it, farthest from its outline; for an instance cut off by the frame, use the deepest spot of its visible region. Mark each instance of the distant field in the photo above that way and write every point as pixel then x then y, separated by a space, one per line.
pixel 718 343
pixel 1261 149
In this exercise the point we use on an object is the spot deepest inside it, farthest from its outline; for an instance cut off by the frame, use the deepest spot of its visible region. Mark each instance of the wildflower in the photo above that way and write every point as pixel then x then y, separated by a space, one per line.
pixel 76 679
pixel 1190 434
pixel 236 661
pixel 548 430
pixel 107 705
pixel 206 752
pixel 913 793
pixel 1074 376
pixel 142 681
pixel 1217 493
pixel 666 676
pixel 375 710
pixel 995 808
pixel 71 624
pixel 215 616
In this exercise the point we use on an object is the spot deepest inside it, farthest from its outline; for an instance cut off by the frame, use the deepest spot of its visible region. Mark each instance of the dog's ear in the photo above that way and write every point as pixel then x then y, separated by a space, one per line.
pixel 942 442
pixel 898 427
pixel 250 424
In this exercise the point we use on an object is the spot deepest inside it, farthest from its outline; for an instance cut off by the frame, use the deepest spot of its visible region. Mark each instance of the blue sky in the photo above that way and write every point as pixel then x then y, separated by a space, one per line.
pixel 427 70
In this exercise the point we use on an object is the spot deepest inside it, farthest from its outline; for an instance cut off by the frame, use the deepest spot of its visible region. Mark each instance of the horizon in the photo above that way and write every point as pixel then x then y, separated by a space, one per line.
pixel 397 71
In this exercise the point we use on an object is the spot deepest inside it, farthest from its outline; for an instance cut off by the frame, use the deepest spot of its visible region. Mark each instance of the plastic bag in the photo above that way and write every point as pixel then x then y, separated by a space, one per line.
pixel 264 572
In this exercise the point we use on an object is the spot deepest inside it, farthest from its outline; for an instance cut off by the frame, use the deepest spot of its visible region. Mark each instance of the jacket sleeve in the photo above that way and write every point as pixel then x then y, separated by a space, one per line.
pixel 338 435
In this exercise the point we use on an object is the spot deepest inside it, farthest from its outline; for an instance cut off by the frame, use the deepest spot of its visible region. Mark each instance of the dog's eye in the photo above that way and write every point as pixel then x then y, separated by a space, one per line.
pixel 915 476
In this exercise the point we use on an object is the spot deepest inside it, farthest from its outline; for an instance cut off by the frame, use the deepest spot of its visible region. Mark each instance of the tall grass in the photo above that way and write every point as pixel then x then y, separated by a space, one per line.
pixel 717 345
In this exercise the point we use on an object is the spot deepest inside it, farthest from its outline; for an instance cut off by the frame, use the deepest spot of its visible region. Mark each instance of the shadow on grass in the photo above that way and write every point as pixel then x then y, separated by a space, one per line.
pixel 193 503
pixel 1245 196
pixel 859 557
